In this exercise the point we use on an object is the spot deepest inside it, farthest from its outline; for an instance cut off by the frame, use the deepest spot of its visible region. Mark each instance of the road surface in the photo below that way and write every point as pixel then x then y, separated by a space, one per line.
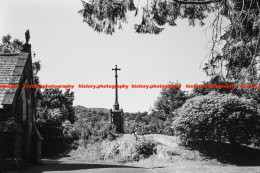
pixel 53 166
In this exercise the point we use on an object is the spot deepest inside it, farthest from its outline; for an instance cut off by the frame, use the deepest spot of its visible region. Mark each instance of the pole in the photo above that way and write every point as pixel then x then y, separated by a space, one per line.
pixel 116 105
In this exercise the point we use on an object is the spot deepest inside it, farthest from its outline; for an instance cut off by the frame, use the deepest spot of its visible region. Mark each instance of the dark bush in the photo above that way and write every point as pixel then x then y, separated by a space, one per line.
pixel 57 142
pixel 145 147
pixel 93 132
pixel 220 118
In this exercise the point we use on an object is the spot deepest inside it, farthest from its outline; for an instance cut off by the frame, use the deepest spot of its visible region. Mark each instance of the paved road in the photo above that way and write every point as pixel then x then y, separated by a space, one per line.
pixel 53 166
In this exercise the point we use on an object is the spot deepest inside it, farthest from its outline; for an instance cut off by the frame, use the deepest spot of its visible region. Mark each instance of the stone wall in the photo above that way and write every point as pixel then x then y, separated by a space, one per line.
pixel 7 145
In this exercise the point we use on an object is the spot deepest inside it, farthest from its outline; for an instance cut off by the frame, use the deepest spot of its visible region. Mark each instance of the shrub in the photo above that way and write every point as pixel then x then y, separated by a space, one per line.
pixel 145 147
pixel 106 132
pixel 139 127
pixel 154 127
pixel 117 150
pixel 97 132
pixel 57 141
pixel 218 117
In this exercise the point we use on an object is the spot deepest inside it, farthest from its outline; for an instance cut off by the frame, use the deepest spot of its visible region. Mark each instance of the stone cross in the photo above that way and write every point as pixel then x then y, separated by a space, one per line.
pixel 116 105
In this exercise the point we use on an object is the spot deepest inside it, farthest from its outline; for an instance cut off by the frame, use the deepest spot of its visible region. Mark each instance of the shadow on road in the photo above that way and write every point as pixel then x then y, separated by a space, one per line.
pixel 53 165
pixel 226 153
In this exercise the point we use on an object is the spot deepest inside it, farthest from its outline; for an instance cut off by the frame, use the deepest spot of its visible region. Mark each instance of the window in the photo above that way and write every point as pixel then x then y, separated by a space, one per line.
pixel 24 103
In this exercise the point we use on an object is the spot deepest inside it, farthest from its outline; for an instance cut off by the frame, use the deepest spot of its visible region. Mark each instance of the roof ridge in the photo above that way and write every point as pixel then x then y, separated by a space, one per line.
pixel 9 54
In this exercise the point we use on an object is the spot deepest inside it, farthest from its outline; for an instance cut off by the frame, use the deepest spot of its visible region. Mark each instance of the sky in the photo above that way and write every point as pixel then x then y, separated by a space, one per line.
pixel 73 53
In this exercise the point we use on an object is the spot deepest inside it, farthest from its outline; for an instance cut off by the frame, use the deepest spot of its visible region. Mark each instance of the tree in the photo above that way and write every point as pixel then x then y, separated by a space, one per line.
pixel 55 112
pixel 105 15
pixel 216 80
pixel 169 100
pixel 10 46
pixel 54 104
pixel 219 118
pixel 239 56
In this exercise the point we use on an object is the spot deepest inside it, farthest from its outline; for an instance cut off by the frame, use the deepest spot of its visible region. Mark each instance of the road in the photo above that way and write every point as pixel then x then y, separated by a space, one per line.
pixel 53 166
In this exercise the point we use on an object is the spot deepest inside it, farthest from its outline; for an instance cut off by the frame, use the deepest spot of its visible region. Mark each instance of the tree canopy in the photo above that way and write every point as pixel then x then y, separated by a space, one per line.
pixel 10 45
pixel 170 99
pixel 238 58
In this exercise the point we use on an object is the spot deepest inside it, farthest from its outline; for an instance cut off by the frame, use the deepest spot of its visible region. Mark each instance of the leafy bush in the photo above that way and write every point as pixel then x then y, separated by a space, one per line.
pixel 91 125
pixel 156 126
pixel 218 117
pixel 107 131
pixel 138 127
pixel 155 122
pixel 55 113
pixel 145 147
pixel 57 141
pixel 119 150
pixel 88 132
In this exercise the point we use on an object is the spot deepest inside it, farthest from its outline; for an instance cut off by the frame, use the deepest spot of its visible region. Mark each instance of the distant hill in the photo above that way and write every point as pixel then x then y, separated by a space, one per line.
pixel 98 114
pixel 85 109
pixel 91 114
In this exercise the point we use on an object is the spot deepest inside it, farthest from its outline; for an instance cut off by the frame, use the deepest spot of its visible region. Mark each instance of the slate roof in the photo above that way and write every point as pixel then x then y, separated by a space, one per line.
pixel 11 69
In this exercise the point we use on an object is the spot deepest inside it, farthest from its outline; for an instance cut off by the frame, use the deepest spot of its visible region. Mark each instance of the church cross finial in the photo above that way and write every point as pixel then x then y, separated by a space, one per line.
pixel 27 36
pixel 26 46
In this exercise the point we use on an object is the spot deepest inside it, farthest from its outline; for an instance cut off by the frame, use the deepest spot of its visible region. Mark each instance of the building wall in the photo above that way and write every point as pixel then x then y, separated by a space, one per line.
pixel 4 114
pixel 7 144
pixel 10 154
pixel 15 148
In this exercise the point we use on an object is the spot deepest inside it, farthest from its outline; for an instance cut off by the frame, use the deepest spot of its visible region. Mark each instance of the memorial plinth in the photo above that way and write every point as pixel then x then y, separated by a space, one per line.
pixel 116 118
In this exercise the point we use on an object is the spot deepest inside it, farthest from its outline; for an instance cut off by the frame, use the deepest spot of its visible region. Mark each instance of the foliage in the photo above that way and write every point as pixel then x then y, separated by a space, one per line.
pixel 10 45
pixel 91 125
pixel 54 104
pixel 138 127
pixel 239 57
pixel 250 93
pixel 56 139
pixel 155 127
pixel 145 147
pixel 105 15
pixel 93 115
pixel 101 131
pixel 216 80
pixel 240 53
pixel 143 123
pixel 218 117
pixel 120 150
pixel 170 99
pixel 55 112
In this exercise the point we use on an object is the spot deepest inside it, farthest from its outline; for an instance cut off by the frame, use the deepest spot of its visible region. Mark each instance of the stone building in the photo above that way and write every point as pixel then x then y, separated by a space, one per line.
pixel 20 141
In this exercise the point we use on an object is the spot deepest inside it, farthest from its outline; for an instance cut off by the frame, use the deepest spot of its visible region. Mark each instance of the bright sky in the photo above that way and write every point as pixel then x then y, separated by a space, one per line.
pixel 72 53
